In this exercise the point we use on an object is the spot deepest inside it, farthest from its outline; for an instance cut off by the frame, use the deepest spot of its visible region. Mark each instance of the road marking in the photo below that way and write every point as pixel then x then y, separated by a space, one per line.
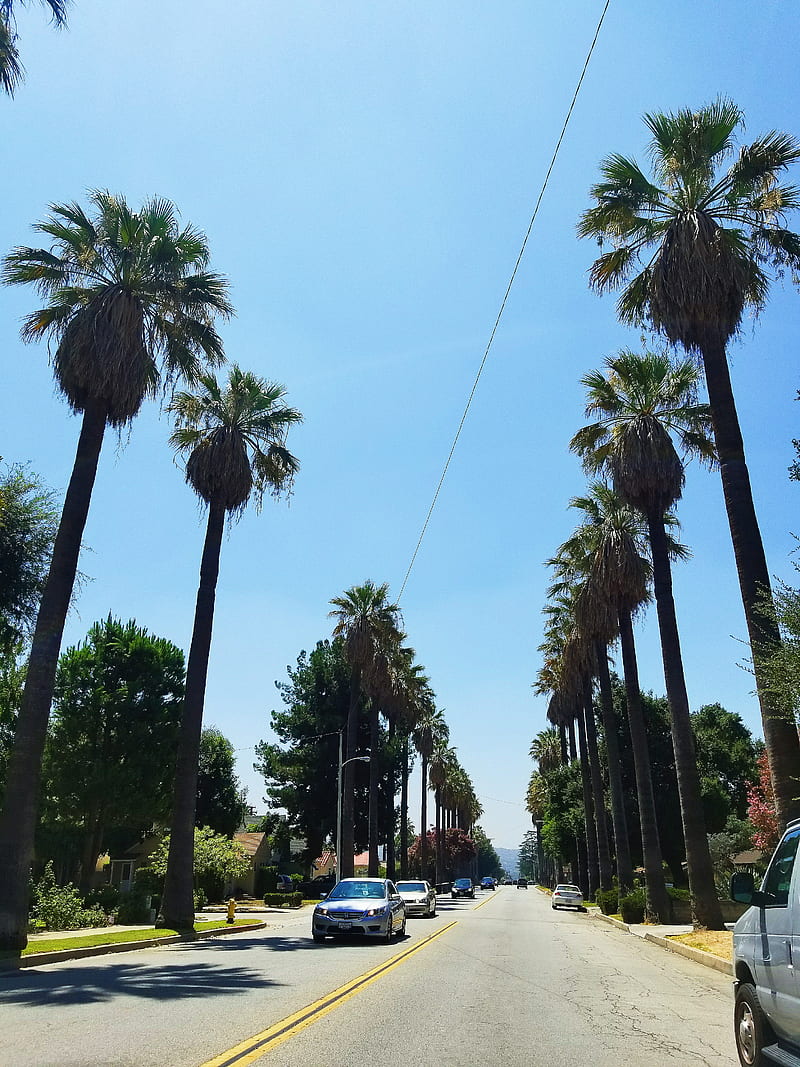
pixel 255 1047
pixel 484 901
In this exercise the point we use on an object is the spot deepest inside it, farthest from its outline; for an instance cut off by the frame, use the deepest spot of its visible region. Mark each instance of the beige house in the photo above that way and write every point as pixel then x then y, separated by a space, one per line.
pixel 259 851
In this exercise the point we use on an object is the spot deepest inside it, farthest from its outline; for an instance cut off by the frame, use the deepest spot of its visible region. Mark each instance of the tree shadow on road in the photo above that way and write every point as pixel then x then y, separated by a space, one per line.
pixel 91 984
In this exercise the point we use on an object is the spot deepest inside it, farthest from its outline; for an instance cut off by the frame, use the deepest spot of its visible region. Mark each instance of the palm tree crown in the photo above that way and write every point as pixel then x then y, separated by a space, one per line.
pixel 126 290
pixel 12 71
pixel 693 248
pixel 236 439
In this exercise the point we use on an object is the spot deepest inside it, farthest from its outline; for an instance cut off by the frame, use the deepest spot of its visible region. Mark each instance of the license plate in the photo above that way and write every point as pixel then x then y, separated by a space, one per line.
pixel 344 925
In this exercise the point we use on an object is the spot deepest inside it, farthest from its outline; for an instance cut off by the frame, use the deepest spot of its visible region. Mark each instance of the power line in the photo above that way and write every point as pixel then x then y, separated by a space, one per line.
pixel 506 295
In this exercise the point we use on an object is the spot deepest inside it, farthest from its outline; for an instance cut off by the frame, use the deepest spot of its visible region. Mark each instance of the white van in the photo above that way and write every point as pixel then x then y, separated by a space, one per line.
pixel 766 960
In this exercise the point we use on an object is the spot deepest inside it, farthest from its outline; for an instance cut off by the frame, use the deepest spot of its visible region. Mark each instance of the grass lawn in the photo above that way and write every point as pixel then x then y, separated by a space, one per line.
pixel 114 937
pixel 717 942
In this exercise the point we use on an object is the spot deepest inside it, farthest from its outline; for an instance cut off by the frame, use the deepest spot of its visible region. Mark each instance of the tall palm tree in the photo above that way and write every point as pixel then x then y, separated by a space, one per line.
pixel 641 401
pixel 546 749
pixel 693 248
pixel 12 71
pixel 612 535
pixel 431 732
pixel 131 304
pixel 367 622
pixel 234 436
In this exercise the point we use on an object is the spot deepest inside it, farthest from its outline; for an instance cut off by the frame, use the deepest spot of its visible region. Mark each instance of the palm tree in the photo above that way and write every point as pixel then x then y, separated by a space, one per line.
pixel 131 305
pixel 641 400
pixel 235 439
pixel 692 250
pixel 431 732
pixel 12 71
pixel 612 537
pixel 367 622
pixel 546 749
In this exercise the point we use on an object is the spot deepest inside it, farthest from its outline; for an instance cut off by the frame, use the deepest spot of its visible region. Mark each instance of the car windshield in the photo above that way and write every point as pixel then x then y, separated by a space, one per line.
pixel 567 889
pixel 411 887
pixel 348 890
pixel 462 882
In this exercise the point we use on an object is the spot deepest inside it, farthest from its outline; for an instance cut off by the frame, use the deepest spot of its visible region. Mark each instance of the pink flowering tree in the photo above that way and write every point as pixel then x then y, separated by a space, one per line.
pixel 761 808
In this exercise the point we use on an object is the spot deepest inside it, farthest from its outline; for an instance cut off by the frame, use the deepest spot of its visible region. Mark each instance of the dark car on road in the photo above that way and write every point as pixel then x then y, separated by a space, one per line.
pixel 522 883
pixel 462 887
pixel 488 882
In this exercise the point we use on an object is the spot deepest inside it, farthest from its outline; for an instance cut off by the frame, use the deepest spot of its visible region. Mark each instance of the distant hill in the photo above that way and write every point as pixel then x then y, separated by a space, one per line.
pixel 509 857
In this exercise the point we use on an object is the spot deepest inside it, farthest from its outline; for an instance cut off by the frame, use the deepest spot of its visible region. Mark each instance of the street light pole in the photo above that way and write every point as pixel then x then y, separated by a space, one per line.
pixel 342 765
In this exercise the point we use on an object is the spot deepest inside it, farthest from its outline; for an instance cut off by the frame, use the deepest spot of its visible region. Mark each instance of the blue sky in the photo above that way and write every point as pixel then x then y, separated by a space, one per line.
pixel 365 175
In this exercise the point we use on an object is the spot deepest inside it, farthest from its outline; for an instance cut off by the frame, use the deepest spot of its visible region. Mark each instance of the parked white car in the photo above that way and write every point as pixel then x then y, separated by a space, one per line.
pixel 418 896
pixel 567 896
pixel 766 953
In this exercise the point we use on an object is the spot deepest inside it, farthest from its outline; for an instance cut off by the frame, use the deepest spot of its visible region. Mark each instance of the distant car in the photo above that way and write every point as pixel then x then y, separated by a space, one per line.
pixel 462 887
pixel 419 897
pixel 368 907
pixel 522 883
pixel 317 887
pixel 284 884
pixel 567 896
pixel 487 883
pixel 508 881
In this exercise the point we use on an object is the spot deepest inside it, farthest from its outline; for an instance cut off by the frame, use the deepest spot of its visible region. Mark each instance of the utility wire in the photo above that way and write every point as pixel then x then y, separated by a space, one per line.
pixel 505 296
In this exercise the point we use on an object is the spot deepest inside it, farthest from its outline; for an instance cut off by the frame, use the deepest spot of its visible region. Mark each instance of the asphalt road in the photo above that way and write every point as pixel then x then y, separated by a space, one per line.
pixel 505 980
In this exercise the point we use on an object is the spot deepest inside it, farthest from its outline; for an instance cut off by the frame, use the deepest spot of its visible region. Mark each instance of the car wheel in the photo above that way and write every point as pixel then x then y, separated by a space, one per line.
pixel 751 1029
pixel 403 928
pixel 433 912
pixel 554 907
pixel 318 938
pixel 389 931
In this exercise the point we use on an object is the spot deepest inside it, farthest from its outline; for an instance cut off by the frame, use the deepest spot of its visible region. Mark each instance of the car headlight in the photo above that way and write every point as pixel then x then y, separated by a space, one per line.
pixel 376 911
pixel 319 910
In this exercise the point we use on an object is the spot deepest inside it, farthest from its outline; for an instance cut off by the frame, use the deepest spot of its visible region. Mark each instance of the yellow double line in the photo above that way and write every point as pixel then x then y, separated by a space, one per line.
pixel 255 1047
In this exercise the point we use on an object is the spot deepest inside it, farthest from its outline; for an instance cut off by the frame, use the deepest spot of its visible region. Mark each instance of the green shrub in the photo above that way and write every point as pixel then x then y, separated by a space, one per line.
pixel 632 906
pixel 134 908
pixel 105 897
pixel 146 881
pixel 266 881
pixel 608 899
pixel 277 900
pixel 200 899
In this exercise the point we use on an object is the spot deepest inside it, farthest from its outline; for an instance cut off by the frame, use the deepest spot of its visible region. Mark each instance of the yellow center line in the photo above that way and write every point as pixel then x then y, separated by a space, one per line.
pixel 485 901
pixel 255 1047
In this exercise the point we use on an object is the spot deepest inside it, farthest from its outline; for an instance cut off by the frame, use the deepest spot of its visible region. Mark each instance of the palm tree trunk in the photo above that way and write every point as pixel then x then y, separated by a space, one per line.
pixel 423 828
pixel 391 788
pixel 705 905
pixel 374 777
pixel 658 903
pixel 610 730
pixel 23 780
pixel 404 810
pixel 603 853
pixel 348 774
pixel 177 902
pixel 583 868
pixel 588 806
pixel 780 732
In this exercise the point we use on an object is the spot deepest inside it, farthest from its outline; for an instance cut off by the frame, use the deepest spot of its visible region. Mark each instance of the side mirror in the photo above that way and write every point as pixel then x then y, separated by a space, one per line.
pixel 742 887
pixel 323 894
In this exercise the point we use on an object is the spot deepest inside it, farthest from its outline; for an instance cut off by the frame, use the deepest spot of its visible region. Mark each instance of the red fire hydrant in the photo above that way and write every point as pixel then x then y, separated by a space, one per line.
pixel 231 909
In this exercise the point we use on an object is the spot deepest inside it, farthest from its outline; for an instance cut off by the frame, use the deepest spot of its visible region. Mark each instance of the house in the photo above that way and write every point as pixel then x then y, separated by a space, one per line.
pixel 258 849
pixel 324 865
pixel 125 867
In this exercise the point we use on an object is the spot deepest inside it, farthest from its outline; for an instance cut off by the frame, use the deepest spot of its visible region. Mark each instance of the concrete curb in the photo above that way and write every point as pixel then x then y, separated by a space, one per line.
pixel 696 954
pixel 38 958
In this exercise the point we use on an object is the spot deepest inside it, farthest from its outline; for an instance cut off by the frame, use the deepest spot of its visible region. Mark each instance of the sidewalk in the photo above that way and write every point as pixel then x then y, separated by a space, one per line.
pixel 660 935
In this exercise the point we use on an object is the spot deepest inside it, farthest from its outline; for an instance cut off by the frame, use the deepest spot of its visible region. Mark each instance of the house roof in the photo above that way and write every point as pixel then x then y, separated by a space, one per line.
pixel 747 858
pixel 250 842
pixel 327 857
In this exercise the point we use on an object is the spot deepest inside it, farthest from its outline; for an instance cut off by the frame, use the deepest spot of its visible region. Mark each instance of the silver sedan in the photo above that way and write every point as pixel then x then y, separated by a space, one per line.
pixel 419 897
pixel 367 907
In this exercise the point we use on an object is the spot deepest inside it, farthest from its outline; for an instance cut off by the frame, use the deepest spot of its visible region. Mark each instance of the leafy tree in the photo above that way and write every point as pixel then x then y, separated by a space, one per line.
pixel 216 858
pixel 761 808
pixel 234 437
pixel 726 760
pixel 12 71
pixel 220 799
pixel 457 848
pixel 130 306
pixel 12 680
pixel 110 755
pixel 488 860
pixel 300 770
pixel 692 250
pixel 28 523
pixel 641 402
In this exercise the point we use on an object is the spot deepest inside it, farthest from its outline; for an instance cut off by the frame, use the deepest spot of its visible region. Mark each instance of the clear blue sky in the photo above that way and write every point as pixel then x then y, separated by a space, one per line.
pixel 365 175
